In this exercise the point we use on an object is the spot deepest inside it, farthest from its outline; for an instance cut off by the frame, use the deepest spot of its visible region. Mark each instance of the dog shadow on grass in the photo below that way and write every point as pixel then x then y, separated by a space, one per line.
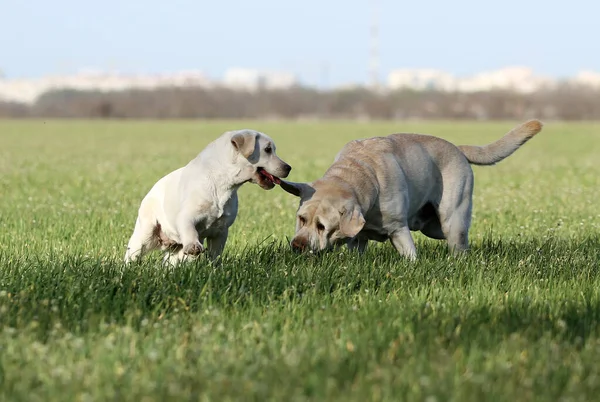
pixel 531 287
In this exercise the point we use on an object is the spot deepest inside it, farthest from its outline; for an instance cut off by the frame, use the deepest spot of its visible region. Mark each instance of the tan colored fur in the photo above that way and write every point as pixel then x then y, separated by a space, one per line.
pixel 384 187
pixel 504 147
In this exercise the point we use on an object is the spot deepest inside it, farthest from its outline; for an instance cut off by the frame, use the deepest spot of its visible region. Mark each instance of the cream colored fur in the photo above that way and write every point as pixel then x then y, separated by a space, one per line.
pixel 199 201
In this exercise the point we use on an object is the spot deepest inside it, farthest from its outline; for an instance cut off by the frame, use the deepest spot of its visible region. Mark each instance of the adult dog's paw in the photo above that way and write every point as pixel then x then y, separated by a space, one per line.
pixel 193 248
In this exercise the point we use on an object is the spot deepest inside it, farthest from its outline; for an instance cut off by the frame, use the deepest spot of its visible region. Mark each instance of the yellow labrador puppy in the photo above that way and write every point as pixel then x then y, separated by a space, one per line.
pixel 383 187
pixel 199 201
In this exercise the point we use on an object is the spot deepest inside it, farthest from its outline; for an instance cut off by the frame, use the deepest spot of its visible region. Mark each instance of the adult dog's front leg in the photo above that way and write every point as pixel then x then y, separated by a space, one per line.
pixel 216 245
pixel 357 244
pixel 403 242
pixel 186 227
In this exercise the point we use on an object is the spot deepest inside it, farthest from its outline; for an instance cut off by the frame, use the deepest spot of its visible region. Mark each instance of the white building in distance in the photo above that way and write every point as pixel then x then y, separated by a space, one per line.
pixel 29 90
pixel 252 80
pixel 518 79
pixel 421 80
pixel 587 78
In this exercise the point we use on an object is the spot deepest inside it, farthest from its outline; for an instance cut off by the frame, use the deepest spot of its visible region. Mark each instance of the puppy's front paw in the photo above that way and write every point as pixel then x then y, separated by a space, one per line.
pixel 193 248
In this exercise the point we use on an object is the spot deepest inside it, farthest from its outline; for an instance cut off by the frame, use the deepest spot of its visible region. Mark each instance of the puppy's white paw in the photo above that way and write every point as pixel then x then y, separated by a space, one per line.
pixel 193 248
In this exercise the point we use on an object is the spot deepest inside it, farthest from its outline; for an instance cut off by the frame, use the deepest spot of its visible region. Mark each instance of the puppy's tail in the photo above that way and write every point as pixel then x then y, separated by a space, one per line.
pixel 504 147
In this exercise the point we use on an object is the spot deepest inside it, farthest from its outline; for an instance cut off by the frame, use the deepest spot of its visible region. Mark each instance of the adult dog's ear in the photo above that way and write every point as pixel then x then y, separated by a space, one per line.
pixel 351 222
pixel 244 142
pixel 301 190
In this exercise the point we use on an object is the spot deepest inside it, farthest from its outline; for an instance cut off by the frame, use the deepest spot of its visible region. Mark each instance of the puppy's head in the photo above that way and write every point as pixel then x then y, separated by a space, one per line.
pixel 256 151
pixel 327 216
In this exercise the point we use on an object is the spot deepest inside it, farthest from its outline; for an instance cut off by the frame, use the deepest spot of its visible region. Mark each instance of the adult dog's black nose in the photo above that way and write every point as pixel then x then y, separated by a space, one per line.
pixel 298 244
pixel 287 168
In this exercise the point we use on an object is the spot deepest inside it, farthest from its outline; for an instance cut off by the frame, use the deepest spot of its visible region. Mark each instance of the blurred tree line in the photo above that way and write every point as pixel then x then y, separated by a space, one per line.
pixel 566 102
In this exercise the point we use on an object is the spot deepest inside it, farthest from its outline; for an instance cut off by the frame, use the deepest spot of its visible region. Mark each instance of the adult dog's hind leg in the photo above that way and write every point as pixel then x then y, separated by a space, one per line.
pixel 456 228
pixel 455 213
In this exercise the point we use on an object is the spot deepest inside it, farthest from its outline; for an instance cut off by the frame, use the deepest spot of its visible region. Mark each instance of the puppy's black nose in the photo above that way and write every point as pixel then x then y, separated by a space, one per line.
pixel 287 168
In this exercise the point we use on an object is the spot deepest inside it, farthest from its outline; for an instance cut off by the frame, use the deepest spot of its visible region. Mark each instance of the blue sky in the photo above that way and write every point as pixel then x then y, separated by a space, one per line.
pixel 324 42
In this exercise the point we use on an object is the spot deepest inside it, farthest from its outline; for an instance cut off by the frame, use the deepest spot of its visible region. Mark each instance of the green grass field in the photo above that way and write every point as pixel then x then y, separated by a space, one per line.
pixel 518 319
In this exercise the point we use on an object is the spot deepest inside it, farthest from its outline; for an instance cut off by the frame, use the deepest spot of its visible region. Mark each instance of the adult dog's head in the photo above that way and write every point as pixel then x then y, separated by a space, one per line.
pixel 326 217
pixel 256 154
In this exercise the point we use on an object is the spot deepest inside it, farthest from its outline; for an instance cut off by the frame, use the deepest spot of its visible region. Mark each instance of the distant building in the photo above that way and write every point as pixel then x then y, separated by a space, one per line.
pixel 421 79
pixel 28 90
pixel 519 79
pixel 587 78
pixel 253 80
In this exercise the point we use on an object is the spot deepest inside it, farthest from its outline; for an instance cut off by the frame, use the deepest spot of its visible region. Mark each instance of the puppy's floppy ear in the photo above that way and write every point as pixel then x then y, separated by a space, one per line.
pixel 351 222
pixel 298 189
pixel 244 142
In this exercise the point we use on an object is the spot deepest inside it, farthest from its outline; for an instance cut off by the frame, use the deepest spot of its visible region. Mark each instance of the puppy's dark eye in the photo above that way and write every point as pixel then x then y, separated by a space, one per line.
pixel 320 227
pixel 268 149
pixel 302 220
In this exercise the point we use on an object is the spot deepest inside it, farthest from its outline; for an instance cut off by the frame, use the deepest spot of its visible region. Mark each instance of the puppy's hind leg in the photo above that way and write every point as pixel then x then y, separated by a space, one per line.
pixel 175 256
pixel 141 241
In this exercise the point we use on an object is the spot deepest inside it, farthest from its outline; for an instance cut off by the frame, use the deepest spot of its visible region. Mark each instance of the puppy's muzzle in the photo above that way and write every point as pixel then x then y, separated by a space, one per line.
pixel 286 170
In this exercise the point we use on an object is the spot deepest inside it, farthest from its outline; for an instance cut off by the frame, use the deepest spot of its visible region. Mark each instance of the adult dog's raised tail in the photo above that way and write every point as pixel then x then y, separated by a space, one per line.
pixel 504 147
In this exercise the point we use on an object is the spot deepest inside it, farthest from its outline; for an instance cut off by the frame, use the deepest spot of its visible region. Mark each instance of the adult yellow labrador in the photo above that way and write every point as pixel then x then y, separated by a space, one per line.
pixel 199 201
pixel 383 187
